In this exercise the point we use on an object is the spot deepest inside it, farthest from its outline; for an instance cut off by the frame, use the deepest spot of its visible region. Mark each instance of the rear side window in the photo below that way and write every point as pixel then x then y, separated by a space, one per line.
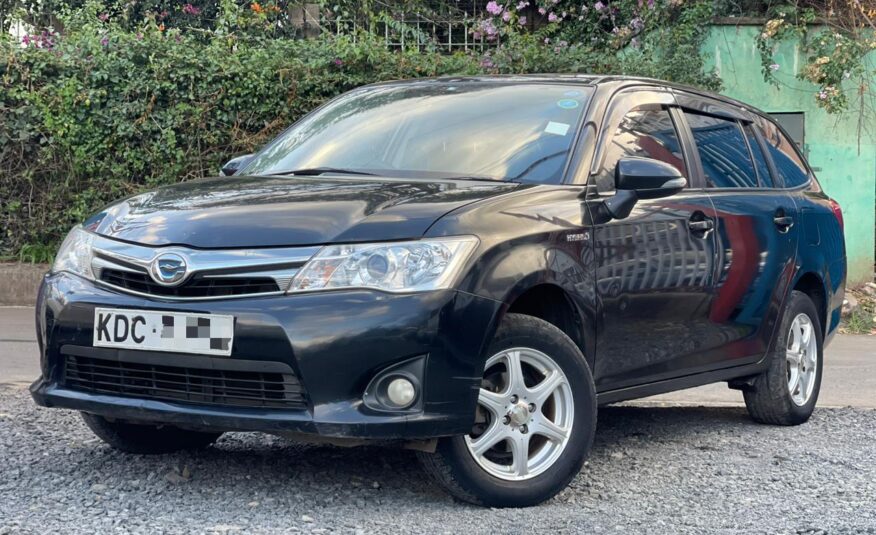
pixel 648 133
pixel 787 160
pixel 763 170
pixel 723 152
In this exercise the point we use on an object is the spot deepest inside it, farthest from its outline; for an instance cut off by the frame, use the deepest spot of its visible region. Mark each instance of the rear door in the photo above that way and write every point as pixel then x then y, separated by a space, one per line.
pixel 655 268
pixel 756 231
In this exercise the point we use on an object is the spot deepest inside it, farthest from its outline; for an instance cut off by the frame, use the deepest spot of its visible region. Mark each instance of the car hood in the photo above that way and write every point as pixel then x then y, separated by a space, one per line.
pixel 236 212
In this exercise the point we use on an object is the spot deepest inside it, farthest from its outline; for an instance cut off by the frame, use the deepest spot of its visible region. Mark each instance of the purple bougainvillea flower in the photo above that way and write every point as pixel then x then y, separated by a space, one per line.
pixel 522 21
pixel 104 41
pixel 338 62
pixel 493 8
pixel 552 17
pixel 598 6
pixel 103 17
pixel 522 5
pixel 506 16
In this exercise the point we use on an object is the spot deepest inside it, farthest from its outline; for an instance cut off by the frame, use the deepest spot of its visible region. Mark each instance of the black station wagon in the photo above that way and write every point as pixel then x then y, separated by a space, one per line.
pixel 464 266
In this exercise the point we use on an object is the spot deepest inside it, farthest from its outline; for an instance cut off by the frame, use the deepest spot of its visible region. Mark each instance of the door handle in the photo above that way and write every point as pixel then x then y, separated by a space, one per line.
pixel 783 222
pixel 701 226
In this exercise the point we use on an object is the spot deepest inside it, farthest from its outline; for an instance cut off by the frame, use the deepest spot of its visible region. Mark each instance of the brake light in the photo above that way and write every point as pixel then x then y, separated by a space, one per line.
pixel 838 213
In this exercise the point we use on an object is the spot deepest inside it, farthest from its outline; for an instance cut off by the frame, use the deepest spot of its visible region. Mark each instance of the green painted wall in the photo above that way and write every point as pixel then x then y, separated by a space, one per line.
pixel 831 140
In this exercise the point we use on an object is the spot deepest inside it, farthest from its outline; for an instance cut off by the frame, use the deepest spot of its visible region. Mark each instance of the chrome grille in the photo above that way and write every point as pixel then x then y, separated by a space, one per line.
pixel 200 287
pixel 211 274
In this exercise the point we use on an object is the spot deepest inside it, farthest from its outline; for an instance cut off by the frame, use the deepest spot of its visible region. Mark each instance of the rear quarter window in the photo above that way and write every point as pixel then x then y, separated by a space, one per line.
pixel 788 161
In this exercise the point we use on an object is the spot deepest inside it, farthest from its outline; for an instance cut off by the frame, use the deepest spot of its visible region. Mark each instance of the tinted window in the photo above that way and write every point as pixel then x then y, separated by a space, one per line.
pixel 723 152
pixel 648 133
pixel 492 130
pixel 763 170
pixel 787 160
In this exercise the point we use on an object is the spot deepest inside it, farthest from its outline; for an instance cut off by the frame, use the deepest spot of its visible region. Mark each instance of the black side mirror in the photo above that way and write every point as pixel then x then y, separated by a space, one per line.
pixel 235 164
pixel 650 179
pixel 642 178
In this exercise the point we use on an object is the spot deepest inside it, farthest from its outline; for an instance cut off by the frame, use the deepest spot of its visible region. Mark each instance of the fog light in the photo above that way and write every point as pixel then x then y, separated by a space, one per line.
pixel 401 392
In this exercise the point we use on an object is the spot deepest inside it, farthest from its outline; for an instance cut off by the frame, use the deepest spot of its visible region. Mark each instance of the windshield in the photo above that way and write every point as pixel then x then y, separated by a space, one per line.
pixel 493 130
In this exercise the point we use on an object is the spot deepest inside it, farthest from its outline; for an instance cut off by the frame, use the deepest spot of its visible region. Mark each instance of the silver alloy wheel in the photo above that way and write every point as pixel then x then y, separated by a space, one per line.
pixel 527 418
pixel 802 357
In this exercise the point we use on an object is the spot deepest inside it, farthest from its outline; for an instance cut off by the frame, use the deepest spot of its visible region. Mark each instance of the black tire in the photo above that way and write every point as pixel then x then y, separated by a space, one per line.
pixel 769 400
pixel 147 439
pixel 453 466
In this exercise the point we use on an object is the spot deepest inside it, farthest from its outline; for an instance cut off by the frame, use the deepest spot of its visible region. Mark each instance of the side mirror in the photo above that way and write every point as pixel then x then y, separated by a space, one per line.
pixel 650 179
pixel 642 178
pixel 235 164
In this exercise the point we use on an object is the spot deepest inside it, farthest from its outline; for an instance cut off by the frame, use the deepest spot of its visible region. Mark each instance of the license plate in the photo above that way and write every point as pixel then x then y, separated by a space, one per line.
pixel 204 334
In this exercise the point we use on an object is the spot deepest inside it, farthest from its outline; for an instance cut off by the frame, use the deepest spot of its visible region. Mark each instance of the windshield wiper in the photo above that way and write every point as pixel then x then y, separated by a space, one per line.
pixel 314 171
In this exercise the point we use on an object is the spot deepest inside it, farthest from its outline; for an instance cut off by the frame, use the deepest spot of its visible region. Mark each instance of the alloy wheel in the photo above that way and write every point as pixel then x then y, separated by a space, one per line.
pixel 802 357
pixel 525 415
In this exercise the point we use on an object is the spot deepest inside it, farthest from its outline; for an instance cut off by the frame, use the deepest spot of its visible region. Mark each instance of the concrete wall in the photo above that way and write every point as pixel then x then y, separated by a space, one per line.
pixel 831 140
pixel 19 282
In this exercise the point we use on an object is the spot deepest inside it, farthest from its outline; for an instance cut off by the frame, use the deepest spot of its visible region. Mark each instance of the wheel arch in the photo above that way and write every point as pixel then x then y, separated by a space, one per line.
pixel 548 300
pixel 813 285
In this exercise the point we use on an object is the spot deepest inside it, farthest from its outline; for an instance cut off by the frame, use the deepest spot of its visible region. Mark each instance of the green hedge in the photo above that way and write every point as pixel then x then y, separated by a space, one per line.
pixel 121 103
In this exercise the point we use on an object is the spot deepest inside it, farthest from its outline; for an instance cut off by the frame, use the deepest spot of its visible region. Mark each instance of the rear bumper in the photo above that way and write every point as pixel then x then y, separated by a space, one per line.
pixel 333 343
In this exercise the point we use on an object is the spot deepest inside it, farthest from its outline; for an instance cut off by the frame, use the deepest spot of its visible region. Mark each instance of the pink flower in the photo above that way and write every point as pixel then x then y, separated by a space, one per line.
pixel 506 16
pixel 522 5
pixel 189 9
pixel 598 6
pixel 103 17
pixel 104 41
pixel 338 62
pixel 553 17
pixel 522 21
pixel 542 11
pixel 493 8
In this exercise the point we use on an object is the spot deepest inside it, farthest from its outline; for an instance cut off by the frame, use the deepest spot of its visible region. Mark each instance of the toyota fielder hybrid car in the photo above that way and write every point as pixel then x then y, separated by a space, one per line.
pixel 464 266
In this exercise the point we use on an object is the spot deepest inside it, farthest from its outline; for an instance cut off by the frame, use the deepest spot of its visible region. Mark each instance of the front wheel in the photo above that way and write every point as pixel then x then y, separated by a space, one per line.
pixel 534 424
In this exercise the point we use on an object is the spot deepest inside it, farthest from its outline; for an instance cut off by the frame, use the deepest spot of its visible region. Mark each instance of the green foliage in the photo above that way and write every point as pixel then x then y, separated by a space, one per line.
pixel 125 101
pixel 835 52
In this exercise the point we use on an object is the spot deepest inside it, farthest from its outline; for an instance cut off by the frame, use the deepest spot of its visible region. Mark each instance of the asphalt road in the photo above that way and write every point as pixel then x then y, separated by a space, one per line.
pixel 849 374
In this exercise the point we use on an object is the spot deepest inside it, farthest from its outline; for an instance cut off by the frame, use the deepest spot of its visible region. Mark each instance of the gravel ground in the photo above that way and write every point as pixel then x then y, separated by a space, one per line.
pixel 654 470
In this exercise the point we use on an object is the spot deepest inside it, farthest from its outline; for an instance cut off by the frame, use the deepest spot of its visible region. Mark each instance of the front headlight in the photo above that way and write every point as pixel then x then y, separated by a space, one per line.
pixel 414 266
pixel 74 256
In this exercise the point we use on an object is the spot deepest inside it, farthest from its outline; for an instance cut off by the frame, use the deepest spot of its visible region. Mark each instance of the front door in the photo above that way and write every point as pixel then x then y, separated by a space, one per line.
pixel 655 268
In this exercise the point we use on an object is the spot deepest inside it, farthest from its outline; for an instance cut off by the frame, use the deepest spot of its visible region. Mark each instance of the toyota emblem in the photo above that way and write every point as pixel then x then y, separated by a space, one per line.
pixel 169 269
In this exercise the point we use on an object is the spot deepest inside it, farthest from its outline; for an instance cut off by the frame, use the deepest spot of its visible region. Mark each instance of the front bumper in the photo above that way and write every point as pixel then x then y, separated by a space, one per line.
pixel 335 343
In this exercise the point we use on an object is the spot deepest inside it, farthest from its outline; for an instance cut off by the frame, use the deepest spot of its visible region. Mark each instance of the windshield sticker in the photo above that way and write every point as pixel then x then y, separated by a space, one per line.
pixel 559 129
pixel 573 93
pixel 567 103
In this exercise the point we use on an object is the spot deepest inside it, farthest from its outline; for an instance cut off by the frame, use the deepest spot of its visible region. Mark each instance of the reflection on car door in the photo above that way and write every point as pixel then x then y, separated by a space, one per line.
pixel 654 269
pixel 756 236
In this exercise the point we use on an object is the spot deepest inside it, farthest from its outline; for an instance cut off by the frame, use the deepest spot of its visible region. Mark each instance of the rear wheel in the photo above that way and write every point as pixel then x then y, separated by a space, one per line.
pixel 148 439
pixel 534 422
pixel 786 393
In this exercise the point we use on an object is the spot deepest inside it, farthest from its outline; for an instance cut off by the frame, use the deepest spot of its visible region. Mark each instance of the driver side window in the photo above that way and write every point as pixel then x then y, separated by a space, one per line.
pixel 647 132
